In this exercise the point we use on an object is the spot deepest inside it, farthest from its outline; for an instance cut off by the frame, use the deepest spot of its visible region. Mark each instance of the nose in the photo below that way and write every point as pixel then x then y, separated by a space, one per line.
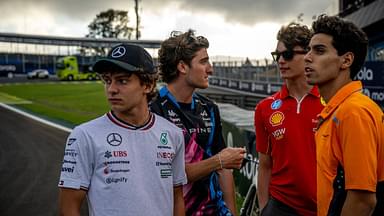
pixel 307 57
pixel 281 60
pixel 111 87
pixel 210 68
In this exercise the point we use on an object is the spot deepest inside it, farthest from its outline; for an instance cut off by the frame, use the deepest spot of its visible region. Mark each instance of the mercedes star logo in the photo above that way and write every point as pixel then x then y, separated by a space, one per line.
pixel 114 139
pixel 118 52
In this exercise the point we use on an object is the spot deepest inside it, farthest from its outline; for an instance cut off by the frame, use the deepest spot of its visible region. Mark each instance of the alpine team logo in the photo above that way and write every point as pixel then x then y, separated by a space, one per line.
pixel 171 113
pixel 163 138
pixel 276 104
pixel 204 113
pixel 276 118
pixel 114 139
pixel 118 52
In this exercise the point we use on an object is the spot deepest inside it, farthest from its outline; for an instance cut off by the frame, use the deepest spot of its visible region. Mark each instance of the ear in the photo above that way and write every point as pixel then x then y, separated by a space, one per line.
pixel 182 67
pixel 347 60
pixel 148 87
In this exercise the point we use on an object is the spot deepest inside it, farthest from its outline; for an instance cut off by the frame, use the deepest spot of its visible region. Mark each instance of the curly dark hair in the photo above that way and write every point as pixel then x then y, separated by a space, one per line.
pixel 346 37
pixel 294 34
pixel 179 47
pixel 149 79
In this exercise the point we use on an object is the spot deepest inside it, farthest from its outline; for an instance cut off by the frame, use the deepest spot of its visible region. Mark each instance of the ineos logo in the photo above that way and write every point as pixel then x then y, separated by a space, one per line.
pixel 114 139
pixel 118 52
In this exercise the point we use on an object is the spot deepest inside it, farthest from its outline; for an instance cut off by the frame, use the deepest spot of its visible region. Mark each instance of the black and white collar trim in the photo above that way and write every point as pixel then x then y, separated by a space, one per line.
pixel 126 125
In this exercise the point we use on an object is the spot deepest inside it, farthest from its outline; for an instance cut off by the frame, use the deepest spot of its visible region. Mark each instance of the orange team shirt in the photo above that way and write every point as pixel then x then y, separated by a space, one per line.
pixel 350 137
pixel 285 130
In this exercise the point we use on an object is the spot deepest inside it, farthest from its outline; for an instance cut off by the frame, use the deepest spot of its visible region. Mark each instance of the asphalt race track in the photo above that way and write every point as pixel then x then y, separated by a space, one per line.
pixel 30 161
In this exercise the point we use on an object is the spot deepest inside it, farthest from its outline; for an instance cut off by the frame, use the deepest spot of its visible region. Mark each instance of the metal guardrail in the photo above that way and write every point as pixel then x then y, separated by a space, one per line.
pixel 248 87
pixel 245 94
pixel 73 41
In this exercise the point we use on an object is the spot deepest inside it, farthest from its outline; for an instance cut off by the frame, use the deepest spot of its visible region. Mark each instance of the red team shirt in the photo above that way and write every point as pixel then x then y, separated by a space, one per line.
pixel 285 130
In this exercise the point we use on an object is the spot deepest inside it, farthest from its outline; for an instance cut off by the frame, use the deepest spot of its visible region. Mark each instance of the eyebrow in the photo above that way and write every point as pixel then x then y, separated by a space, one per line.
pixel 317 46
pixel 204 59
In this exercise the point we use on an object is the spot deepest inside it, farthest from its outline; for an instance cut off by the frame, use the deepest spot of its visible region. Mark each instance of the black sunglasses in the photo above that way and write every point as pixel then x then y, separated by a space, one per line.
pixel 287 54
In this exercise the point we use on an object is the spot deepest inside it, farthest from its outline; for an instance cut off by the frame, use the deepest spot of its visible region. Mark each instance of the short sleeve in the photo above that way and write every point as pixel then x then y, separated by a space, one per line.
pixel 77 163
pixel 358 149
pixel 262 141
pixel 178 163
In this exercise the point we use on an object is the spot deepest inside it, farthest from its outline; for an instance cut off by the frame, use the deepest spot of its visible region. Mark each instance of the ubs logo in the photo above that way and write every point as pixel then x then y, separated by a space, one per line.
pixel 114 139
pixel 118 52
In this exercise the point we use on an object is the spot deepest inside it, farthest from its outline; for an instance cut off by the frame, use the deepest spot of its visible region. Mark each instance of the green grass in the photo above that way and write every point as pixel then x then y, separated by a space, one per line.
pixel 69 103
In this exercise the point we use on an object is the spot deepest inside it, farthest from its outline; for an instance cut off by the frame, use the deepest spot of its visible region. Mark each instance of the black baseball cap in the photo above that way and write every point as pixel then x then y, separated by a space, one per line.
pixel 128 57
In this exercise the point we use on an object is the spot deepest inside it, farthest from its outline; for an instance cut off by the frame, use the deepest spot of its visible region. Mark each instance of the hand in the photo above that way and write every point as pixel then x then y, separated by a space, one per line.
pixel 231 158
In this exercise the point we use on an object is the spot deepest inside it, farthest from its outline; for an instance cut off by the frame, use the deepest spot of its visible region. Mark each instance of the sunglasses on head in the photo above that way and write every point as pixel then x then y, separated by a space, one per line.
pixel 187 40
pixel 287 54
pixel 190 37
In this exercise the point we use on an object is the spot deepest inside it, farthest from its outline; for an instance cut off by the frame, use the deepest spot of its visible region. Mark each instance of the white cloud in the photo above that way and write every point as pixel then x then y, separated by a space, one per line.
pixel 244 28
pixel 228 39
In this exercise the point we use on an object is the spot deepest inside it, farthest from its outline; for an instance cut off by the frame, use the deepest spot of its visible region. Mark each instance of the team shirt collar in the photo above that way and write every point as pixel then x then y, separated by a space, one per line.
pixel 339 97
pixel 126 125
pixel 284 93
pixel 165 92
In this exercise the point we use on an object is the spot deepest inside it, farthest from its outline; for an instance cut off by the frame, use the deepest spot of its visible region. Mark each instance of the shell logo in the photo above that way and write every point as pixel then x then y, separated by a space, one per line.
pixel 322 101
pixel 276 118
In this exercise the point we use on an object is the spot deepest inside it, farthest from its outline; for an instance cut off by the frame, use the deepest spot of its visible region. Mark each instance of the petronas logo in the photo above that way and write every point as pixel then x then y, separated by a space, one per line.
pixel 163 138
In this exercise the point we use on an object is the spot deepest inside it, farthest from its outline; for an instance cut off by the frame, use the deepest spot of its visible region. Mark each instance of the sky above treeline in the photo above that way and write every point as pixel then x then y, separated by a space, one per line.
pixel 241 28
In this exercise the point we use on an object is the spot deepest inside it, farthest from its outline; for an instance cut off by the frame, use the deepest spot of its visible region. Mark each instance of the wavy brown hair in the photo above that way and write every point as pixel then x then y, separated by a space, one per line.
pixel 178 47
pixel 293 35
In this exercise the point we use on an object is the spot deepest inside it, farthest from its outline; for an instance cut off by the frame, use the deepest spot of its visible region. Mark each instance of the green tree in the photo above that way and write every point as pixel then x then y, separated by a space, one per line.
pixel 107 24
pixel 110 24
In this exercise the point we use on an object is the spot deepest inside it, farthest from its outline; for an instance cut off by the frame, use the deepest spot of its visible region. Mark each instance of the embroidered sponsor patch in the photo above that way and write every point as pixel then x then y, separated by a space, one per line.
pixel 336 120
pixel 165 173
pixel 276 118
pixel 322 101
pixel 276 104
pixel 71 141
pixel 279 133
pixel 114 139
pixel 163 138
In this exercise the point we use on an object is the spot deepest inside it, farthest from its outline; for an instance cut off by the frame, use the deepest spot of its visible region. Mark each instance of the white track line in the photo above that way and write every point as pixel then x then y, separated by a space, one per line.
pixel 36 118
